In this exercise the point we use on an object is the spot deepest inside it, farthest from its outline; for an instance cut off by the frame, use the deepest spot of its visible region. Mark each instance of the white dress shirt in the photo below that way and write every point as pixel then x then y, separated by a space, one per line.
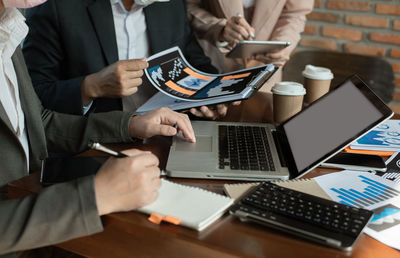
pixel 130 31
pixel 12 31
pixel 133 43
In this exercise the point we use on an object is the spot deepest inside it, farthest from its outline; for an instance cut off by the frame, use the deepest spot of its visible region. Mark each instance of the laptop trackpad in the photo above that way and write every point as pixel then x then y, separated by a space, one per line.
pixel 203 144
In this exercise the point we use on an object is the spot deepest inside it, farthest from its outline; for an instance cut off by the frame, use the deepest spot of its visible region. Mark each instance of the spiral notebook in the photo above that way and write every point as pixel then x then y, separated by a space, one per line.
pixel 188 206
pixel 305 185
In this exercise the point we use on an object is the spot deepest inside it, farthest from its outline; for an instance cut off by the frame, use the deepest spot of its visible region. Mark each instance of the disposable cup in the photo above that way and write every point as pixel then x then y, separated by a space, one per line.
pixel 287 100
pixel 317 81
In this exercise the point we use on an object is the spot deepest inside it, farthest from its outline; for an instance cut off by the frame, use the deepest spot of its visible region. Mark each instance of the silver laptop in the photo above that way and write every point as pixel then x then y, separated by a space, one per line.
pixel 260 152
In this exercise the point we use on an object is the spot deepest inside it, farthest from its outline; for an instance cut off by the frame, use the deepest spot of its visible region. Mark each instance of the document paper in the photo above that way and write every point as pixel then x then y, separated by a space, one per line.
pixel 385 137
pixel 371 192
pixel 181 86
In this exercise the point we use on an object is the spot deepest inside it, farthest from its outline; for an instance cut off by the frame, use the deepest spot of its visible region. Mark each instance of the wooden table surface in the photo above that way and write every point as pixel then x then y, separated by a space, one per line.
pixel 129 234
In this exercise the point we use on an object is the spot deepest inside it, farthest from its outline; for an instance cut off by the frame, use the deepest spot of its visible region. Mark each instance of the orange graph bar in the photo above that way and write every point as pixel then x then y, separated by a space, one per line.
pixel 237 76
pixel 194 74
pixel 177 88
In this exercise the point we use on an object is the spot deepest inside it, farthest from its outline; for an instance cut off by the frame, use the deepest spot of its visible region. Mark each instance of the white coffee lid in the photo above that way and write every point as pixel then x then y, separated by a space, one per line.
pixel 317 73
pixel 289 88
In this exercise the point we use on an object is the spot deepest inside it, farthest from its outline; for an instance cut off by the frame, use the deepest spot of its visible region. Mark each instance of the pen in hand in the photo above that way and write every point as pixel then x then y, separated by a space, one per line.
pixel 251 34
pixel 97 146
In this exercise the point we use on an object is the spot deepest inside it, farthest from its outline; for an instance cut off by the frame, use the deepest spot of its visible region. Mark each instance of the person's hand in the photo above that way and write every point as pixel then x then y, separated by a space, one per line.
pixel 161 122
pixel 253 63
pixel 124 184
pixel 211 113
pixel 278 58
pixel 117 80
pixel 235 30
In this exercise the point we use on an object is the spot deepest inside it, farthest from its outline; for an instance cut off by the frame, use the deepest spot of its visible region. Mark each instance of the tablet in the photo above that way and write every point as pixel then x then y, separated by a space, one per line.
pixel 62 169
pixel 355 161
pixel 249 48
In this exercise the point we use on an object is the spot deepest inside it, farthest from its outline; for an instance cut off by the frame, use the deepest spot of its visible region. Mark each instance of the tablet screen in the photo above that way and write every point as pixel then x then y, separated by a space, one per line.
pixel 333 122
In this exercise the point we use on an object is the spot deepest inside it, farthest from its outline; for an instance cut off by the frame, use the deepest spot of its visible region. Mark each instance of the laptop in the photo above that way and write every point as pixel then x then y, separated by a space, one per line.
pixel 262 152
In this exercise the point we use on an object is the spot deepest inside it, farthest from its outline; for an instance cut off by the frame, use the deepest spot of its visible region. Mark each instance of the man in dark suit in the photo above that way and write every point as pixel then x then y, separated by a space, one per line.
pixel 74 51
pixel 28 131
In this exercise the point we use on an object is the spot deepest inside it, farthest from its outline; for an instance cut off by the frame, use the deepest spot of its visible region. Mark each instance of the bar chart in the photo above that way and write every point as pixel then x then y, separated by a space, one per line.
pixel 371 192
pixel 379 194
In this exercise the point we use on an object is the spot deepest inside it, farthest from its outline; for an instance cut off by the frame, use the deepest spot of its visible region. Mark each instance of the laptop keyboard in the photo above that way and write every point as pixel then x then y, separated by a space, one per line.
pixel 244 148
pixel 302 212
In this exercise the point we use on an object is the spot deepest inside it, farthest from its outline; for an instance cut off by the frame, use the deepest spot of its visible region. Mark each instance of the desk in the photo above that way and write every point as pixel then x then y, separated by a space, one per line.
pixel 131 235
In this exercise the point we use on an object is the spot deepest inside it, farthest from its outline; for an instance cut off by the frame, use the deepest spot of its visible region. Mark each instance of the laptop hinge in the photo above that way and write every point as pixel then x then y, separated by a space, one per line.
pixel 279 147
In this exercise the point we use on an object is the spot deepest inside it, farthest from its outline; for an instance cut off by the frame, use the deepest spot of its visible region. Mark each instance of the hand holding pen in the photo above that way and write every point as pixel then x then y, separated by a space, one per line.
pixel 97 146
pixel 127 182
pixel 237 29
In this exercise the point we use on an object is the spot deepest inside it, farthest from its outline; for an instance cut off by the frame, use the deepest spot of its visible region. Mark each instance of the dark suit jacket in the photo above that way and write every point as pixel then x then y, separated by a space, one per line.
pixel 70 39
pixel 62 211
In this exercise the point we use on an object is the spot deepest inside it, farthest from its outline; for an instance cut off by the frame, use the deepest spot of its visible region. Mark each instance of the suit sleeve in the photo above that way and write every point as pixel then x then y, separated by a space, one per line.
pixel 66 132
pixel 68 210
pixel 71 133
pixel 194 53
pixel 205 24
pixel 64 211
pixel 57 214
pixel 44 54
pixel 292 21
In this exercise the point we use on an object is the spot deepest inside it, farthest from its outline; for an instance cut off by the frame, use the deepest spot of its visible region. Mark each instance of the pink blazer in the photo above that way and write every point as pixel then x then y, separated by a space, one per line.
pixel 281 20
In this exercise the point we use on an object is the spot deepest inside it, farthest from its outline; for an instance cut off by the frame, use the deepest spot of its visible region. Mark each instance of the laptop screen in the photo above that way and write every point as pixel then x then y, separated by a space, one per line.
pixel 332 122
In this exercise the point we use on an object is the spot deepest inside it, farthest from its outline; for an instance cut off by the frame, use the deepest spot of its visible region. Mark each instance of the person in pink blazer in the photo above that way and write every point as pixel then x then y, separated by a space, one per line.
pixel 219 22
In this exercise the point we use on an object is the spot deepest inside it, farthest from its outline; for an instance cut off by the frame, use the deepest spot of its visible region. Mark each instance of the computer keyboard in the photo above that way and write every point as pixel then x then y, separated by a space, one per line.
pixel 305 215
pixel 244 148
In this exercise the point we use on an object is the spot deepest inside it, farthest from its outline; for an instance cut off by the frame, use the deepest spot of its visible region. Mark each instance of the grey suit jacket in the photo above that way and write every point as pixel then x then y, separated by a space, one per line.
pixel 60 212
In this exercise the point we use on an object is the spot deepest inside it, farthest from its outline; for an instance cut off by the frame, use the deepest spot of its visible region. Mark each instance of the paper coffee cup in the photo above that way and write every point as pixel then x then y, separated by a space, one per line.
pixel 317 81
pixel 287 100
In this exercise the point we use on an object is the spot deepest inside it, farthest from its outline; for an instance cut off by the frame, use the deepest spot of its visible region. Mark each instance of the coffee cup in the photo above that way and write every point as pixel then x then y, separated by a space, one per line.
pixel 287 100
pixel 317 81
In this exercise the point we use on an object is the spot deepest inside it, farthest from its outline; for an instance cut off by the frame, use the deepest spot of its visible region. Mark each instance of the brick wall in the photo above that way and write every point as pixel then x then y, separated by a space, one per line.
pixel 360 27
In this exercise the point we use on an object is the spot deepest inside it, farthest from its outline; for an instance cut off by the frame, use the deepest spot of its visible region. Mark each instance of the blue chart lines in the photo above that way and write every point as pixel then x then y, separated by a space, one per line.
pixel 373 192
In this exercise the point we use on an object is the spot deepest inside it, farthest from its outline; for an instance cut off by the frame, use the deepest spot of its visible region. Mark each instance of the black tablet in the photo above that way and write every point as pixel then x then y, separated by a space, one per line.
pixel 249 48
pixel 62 169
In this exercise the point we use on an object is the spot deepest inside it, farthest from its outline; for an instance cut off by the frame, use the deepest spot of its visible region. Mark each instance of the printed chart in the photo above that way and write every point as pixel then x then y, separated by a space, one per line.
pixel 385 137
pixel 365 193
pixel 171 74
pixel 369 191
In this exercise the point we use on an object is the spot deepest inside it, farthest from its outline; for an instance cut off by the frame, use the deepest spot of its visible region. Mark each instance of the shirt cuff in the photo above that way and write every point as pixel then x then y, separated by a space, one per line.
pixel 86 108
pixel 220 44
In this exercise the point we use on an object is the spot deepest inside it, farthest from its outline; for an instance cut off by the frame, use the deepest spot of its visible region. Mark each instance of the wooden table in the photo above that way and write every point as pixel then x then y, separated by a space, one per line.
pixel 129 234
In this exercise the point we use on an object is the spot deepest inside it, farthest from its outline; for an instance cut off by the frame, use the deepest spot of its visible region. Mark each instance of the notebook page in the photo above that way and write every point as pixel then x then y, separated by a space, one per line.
pixel 197 208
